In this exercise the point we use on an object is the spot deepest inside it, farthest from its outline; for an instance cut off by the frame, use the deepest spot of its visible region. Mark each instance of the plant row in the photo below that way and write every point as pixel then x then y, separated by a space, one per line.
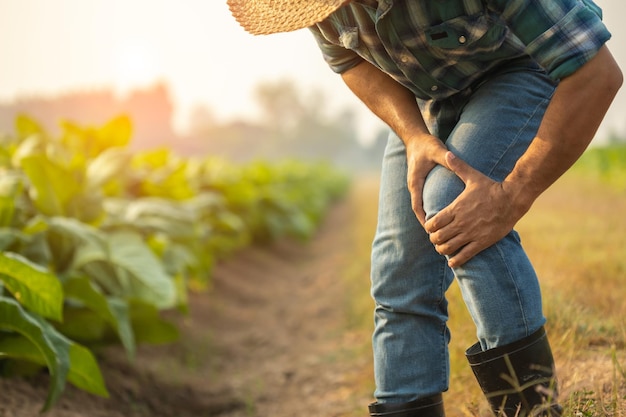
pixel 96 240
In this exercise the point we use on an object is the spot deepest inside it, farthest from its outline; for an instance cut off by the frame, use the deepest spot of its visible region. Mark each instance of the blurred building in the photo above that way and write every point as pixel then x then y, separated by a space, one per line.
pixel 150 110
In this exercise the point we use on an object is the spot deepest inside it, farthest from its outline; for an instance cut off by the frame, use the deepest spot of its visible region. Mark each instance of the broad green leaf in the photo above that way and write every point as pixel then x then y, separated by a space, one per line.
pixel 84 325
pixel 179 258
pixel 113 311
pixel 149 327
pixel 33 287
pixel 84 372
pixel 78 139
pixel 182 300
pixel 53 346
pixel 36 249
pixel 8 237
pixel 88 253
pixel 131 270
pixel 10 187
pixel 91 141
pixel 155 214
pixel 26 126
pixel 148 280
pixel 78 231
pixel 109 165
pixel 35 225
pixel 117 132
pixel 30 146
pixel 170 182
pixel 151 159
pixel 206 202
pixel 52 186
pixel 75 243
pixel 113 280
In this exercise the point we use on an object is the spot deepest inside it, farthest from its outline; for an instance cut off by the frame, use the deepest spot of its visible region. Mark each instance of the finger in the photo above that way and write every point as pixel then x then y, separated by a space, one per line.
pixel 421 215
pixel 450 246
pixel 416 188
pixel 439 220
pixel 461 168
pixel 418 207
pixel 464 254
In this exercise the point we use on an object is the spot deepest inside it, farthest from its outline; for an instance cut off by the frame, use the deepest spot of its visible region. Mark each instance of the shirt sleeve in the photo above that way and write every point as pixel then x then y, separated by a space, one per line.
pixel 561 35
pixel 338 58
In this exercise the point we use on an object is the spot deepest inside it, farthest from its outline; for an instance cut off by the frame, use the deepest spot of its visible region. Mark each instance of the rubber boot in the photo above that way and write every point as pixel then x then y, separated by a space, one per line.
pixel 425 407
pixel 518 379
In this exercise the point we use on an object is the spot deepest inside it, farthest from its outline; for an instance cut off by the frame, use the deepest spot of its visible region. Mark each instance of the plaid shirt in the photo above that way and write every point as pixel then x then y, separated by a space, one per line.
pixel 437 48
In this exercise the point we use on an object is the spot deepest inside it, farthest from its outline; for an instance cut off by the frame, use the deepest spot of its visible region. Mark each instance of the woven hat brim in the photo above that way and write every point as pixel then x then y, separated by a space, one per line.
pixel 263 17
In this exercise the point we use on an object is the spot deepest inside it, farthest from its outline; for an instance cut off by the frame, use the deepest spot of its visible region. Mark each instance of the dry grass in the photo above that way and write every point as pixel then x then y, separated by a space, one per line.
pixel 576 237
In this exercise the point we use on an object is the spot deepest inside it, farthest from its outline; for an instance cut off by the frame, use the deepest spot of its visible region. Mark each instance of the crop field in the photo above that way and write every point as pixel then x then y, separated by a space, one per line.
pixel 97 242
pixel 145 284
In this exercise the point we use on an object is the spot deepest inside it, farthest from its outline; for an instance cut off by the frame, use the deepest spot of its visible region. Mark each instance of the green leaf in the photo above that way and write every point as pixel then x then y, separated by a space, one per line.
pixel 84 372
pixel 155 214
pixel 109 165
pixel 149 281
pixel 74 243
pixel 30 146
pixel 132 270
pixel 26 126
pixel 10 187
pixel 170 182
pixel 91 141
pixel 116 132
pixel 33 287
pixel 85 326
pixel 52 345
pixel 9 236
pixel 149 327
pixel 52 186
pixel 112 310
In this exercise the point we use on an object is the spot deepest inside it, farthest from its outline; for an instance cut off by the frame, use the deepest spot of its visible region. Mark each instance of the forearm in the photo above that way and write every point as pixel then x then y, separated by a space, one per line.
pixel 397 106
pixel 569 124
pixel 393 104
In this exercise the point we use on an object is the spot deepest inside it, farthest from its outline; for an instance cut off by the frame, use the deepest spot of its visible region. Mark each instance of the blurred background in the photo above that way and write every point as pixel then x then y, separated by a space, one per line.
pixel 191 79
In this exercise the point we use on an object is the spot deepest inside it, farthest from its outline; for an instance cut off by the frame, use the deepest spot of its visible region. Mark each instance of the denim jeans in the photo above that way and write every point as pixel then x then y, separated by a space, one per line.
pixel 493 125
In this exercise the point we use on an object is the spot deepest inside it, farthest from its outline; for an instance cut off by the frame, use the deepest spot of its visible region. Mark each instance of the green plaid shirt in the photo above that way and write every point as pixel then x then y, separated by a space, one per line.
pixel 437 48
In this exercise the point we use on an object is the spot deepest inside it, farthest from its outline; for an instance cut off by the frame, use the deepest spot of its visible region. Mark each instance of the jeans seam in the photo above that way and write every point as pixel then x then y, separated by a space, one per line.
pixel 442 297
pixel 512 280
pixel 519 133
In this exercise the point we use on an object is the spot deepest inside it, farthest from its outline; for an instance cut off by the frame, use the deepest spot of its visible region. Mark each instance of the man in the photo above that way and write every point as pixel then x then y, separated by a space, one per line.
pixel 489 102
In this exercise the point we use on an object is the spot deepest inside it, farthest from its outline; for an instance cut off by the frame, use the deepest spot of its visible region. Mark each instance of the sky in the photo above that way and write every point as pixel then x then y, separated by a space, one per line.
pixel 49 47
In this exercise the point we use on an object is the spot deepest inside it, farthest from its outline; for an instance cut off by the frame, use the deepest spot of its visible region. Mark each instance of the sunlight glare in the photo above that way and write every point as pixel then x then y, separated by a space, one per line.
pixel 135 65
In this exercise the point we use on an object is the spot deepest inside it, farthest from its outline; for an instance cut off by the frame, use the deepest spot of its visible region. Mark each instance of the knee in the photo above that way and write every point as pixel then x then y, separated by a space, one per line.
pixel 442 186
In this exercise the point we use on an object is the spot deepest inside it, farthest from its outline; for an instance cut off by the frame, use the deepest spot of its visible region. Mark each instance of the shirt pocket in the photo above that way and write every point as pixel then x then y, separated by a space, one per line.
pixel 465 36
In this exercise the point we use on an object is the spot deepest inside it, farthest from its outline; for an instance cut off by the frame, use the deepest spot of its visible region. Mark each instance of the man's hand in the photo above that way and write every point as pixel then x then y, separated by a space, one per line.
pixel 422 156
pixel 479 217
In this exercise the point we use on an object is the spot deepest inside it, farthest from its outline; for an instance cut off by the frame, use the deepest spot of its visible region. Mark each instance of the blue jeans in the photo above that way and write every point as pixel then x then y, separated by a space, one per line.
pixel 493 125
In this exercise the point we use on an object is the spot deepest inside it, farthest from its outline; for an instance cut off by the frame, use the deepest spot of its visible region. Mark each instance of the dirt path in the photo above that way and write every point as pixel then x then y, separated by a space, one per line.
pixel 269 340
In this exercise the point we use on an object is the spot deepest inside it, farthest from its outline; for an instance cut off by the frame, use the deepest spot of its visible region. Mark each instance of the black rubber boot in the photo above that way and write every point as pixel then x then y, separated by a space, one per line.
pixel 518 379
pixel 425 407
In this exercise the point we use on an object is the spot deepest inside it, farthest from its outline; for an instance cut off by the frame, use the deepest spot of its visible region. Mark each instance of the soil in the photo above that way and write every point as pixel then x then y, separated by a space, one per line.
pixel 268 339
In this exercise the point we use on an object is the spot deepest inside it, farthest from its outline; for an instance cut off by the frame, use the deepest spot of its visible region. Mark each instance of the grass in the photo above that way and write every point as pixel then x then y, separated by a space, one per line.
pixel 575 236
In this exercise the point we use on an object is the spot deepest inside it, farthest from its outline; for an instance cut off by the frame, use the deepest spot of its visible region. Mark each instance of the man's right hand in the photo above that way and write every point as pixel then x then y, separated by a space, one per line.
pixel 422 155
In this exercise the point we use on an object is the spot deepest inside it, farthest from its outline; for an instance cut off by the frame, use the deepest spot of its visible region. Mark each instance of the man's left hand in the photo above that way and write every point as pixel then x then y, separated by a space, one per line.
pixel 479 217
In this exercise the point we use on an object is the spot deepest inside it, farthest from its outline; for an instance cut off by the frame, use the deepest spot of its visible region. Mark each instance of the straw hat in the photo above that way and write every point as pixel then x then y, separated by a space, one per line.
pixel 262 17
